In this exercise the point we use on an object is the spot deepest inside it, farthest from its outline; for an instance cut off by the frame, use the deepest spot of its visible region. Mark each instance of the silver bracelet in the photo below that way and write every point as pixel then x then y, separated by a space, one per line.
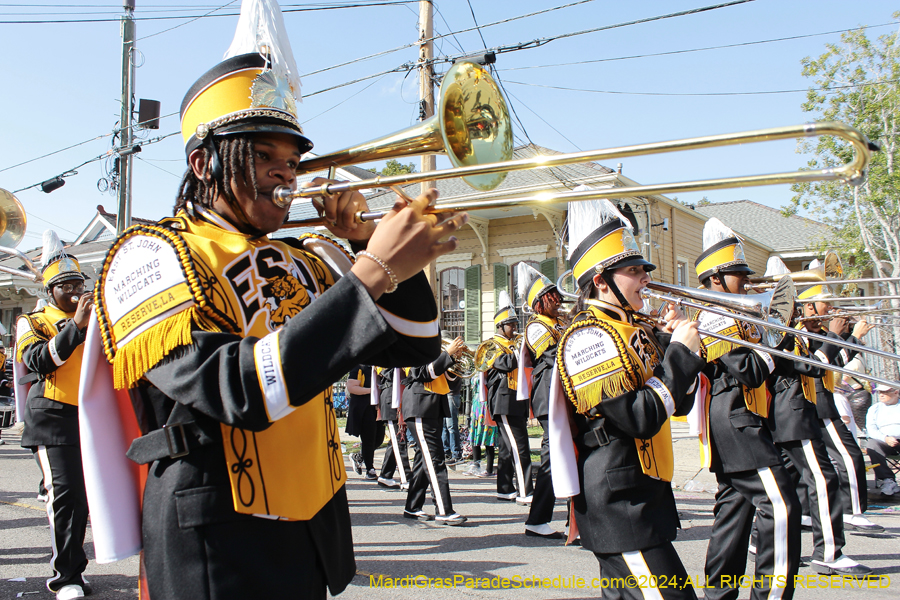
pixel 383 265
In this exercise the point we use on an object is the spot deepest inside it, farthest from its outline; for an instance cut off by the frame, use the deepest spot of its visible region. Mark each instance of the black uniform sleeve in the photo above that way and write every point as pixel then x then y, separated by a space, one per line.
pixel 39 355
pixel 506 362
pixel 746 366
pixel 432 371
pixel 217 375
pixel 641 413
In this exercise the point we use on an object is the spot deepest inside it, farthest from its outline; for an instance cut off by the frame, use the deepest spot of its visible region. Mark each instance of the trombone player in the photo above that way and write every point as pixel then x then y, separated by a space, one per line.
pixel 741 451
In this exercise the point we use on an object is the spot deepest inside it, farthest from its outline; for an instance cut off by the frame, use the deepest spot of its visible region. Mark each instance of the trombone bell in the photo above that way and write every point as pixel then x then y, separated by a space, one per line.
pixel 12 220
pixel 471 125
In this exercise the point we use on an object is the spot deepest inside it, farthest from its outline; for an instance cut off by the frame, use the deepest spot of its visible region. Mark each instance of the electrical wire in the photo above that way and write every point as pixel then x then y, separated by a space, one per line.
pixel 186 22
pixel 708 94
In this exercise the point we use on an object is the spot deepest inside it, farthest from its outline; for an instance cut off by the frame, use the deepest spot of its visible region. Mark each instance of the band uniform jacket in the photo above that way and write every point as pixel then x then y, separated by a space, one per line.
pixel 541 338
pixel 502 399
pixel 419 402
pixel 620 509
pixel 358 405
pixel 741 439
pixel 792 417
pixel 215 381
pixel 386 396
pixel 49 422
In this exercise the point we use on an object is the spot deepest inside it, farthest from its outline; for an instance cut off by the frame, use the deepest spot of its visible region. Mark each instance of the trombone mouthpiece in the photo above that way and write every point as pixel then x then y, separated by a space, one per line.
pixel 282 196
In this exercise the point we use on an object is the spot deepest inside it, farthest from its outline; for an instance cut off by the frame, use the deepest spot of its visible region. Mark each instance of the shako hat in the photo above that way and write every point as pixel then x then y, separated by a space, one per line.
pixel 813 293
pixel 56 265
pixel 600 238
pixel 254 89
pixel 723 251
pixel 776 266
pixel 530 284
pixel 505 311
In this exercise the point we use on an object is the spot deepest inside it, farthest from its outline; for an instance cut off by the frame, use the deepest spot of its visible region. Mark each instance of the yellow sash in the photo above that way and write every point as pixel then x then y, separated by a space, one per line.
pixel 828 380
pixel 42 325
pixel 160 283
pixel 542 337
pixel 508 347
pixel 603 358
pixel 756 399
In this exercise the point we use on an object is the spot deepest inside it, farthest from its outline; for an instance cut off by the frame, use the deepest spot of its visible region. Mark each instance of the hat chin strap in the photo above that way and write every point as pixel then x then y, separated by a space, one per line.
pixel 608 278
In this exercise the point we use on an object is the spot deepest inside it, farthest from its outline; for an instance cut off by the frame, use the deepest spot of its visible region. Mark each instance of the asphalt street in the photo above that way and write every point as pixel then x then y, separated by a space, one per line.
pixel 399 558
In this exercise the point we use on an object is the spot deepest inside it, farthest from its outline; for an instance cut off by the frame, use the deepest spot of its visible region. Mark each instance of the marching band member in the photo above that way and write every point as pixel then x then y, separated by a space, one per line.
pixel 425 406
pixel 795 428
pixel 389 412
pixel 362 421
pixel 542 333
pixel 622 380
pixel 49 343
pixel 741 451
pixel 228 341
pixel 845 453
pixel 510 413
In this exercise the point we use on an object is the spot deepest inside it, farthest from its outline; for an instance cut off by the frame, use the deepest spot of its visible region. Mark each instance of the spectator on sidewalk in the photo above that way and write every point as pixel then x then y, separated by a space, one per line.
pixel 883 428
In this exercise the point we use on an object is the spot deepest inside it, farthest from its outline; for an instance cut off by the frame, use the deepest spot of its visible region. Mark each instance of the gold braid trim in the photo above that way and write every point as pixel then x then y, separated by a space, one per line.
pixel 143 352
pixel 626 379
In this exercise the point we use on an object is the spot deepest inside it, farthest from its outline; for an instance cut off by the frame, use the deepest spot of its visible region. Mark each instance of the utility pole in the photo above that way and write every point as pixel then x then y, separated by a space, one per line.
pixel 426 78
pixel 123 221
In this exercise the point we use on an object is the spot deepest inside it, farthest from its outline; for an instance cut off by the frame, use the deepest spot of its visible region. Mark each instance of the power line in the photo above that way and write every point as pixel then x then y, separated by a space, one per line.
pixel 758 93
pixel 671 52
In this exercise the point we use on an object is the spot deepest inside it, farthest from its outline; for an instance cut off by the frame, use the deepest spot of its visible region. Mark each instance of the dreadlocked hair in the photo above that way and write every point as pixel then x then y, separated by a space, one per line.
pixel 236 155
pixel 541 307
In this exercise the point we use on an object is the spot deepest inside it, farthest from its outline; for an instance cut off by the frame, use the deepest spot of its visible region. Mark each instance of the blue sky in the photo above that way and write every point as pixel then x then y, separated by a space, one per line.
pixel 63 84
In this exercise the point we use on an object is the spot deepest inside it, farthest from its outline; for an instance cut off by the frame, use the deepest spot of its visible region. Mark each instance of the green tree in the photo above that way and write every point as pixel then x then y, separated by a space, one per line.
pixel 858 82
pixel 395 167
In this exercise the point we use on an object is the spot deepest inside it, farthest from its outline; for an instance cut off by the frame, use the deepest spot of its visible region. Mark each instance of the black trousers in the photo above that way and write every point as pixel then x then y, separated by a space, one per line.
pixel 371 437
pixel 428 467
pixel 658 567
pixel 877 450
pixel 849 464
pixel 770 493
pixel 808 462
pixel 396 452
pixel 515 456
pixel 67 510
pixel 544 499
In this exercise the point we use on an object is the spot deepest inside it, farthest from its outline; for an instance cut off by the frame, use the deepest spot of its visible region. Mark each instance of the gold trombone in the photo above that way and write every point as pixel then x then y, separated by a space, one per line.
pixel 852 172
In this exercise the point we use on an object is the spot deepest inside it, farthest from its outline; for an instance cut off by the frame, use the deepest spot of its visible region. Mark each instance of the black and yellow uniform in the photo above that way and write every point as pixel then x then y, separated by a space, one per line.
pixel 514 479
pixel 425 406
pixel 50 346
pixel 623 381
pixel 362 419
pixel 541 338
pixel 236 406
pixel 795 429
pixel 397 453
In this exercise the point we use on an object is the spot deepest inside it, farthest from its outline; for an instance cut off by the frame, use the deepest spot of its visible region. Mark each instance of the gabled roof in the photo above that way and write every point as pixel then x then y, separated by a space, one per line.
pixel 103 227
pixel 768 225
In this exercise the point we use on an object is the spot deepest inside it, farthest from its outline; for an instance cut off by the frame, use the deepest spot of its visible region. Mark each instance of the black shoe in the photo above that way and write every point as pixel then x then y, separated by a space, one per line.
pixel 421 515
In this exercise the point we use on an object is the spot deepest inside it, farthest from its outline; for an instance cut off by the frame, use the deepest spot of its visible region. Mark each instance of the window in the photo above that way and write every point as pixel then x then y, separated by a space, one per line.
pixel 453 305
pixel 514 291
pixel 681 274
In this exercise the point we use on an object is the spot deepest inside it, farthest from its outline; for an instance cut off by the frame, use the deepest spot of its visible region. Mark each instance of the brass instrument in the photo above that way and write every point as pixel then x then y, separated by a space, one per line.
pixel 830 268
pixel 488 350
pixel 464 365
pixel 852 172
pixel 12 229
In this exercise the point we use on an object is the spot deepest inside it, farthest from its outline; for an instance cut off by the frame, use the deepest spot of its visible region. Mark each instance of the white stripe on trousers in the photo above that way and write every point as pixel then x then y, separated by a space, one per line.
pixel 51 516
pixel 638 567
pixel 514 449
pixel 432 476
pixel 780 519
pixel 848 464
pixel 396 446
pixel 824 508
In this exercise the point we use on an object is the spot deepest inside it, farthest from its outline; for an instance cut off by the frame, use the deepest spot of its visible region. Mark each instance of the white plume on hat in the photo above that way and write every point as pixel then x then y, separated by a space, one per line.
pixel 815 263
pixel 776 266
pixel 525 276
pixel 53 248
pixel 504 302
pixel 261 29
pixel 715 231
pixel 588 215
